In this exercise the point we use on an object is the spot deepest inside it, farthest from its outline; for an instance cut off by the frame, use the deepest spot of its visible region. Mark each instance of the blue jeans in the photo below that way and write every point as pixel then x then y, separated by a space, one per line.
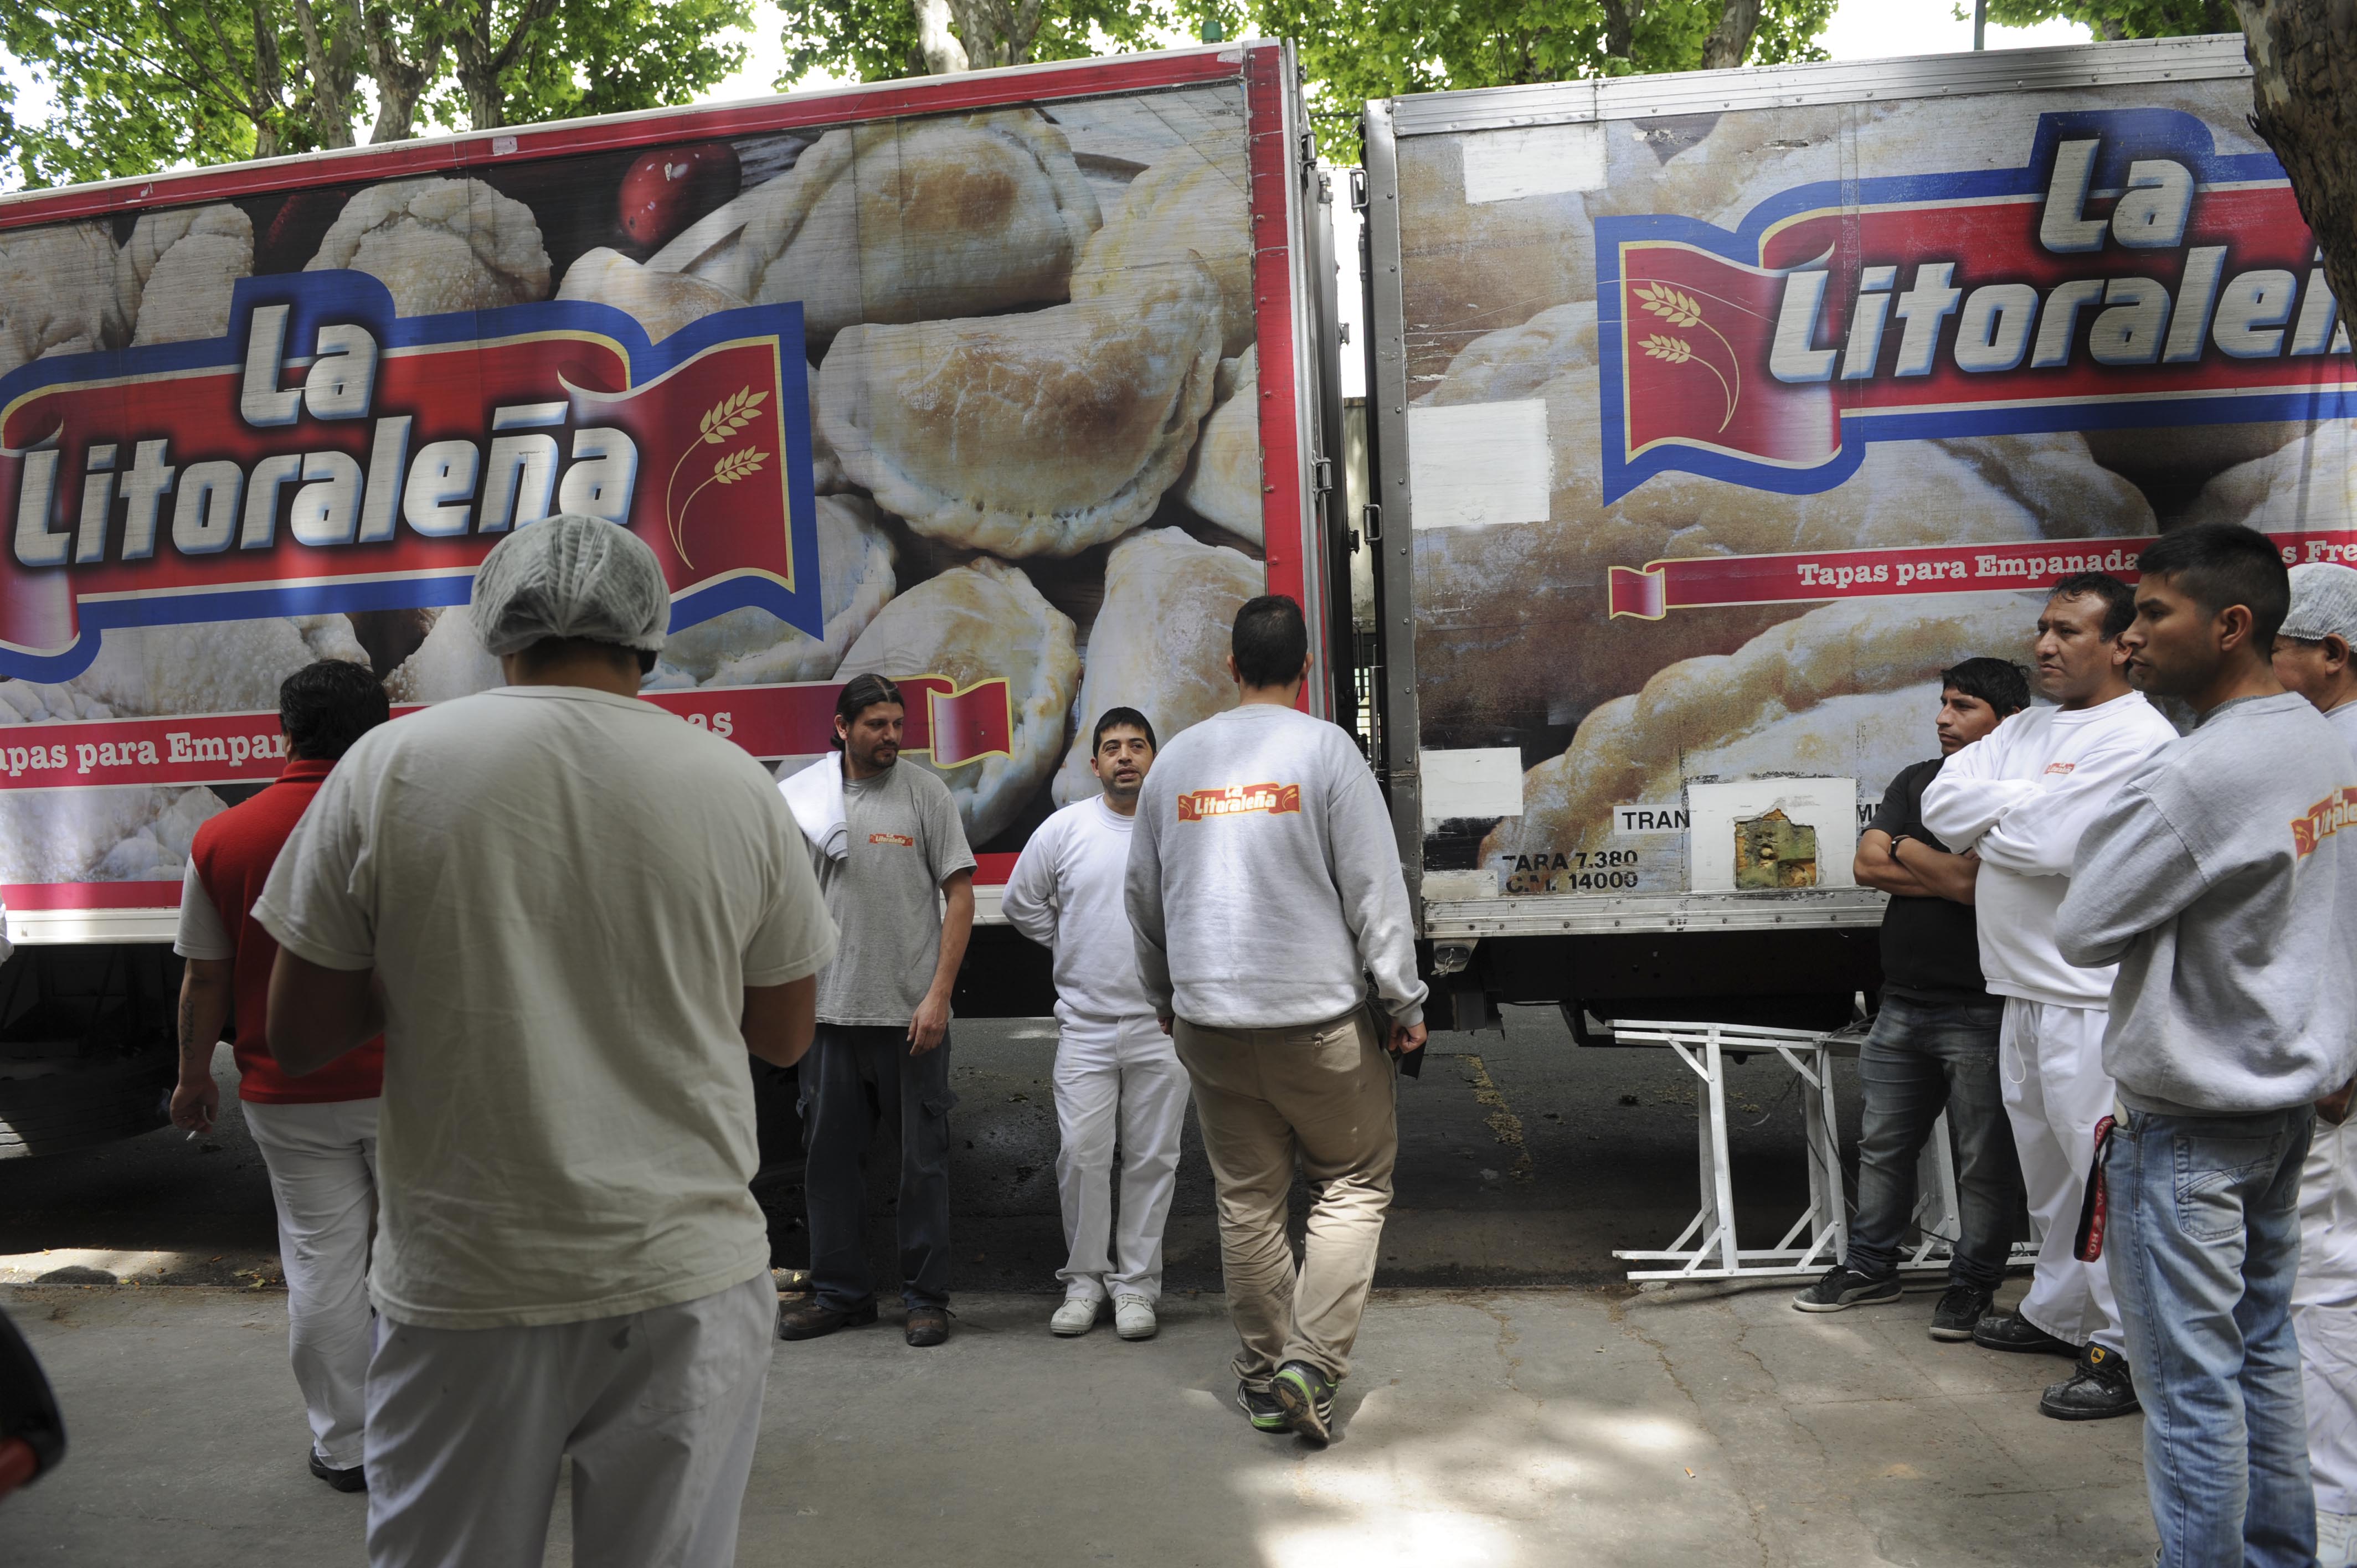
pixel 854 1078
pixel 2202 1244
pixel 1921 1059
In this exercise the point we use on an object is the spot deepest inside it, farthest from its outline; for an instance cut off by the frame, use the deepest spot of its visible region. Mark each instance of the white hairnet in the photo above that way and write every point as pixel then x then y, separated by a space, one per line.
pixel 2323 603
pixel 571 576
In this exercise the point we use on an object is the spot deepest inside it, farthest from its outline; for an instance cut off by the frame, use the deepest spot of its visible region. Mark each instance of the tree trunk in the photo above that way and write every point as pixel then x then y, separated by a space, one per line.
pixel 480 64
pixel 2304 53
pixel 328 59
pixel 996 32
pixel 1731 39
pixel 942 52
pixel 1620 30
pixel 269 83
pixel 400 82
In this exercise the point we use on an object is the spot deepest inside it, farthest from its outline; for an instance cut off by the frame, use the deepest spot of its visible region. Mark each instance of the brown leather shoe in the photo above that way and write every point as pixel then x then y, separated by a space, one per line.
pixel 928 1326
pixel 818 1319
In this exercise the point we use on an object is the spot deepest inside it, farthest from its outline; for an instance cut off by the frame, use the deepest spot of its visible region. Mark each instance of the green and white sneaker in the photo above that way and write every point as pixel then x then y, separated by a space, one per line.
pixel 1261 1407
pixel 1307 1396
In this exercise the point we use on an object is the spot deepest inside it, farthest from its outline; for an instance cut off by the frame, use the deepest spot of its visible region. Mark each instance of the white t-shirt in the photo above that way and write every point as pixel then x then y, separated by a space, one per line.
pixel 1065 895
pixel 565 893
pixel 2021 796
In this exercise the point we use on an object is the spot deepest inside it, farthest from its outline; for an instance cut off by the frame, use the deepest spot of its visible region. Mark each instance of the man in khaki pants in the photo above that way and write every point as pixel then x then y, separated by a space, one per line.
pixel 1265 887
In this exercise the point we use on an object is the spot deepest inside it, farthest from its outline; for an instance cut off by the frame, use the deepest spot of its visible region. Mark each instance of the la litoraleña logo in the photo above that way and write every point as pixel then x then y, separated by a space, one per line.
pixel 1239 800
pixel 2125 266
pixel 2324 819
pixel 324 454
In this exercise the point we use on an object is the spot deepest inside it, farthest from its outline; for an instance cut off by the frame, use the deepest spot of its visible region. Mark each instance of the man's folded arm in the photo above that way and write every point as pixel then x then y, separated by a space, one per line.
pixel 2132 873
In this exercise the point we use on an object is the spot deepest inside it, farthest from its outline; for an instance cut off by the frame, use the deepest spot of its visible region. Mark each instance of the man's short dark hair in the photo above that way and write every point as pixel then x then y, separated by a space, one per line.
pixel 1116 718
pixel 2119 599
pixel 324 707
pixel 863 693
pixel 1999 682
pixel 2221 564
pixel 1271 641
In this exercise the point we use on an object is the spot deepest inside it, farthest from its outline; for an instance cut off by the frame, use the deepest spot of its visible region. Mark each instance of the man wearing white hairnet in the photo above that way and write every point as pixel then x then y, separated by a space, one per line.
pixel 2313 658
pixel 580 914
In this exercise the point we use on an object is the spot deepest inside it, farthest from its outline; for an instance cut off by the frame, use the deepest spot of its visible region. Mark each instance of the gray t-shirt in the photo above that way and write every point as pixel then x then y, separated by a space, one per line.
pixel 885 895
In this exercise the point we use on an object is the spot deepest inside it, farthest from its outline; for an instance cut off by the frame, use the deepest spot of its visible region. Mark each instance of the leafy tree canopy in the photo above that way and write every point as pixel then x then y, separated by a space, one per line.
pixel 2120 18
pixel 142 85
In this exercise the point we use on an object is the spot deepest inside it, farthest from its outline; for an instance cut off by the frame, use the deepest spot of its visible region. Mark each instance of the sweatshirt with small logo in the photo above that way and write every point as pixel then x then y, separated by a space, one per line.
pixel 2019 798
pixel 1263 881
pixel 2223 880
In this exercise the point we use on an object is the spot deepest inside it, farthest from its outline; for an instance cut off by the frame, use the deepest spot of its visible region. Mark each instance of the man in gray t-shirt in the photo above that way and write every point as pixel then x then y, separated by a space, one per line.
pixel 882 1044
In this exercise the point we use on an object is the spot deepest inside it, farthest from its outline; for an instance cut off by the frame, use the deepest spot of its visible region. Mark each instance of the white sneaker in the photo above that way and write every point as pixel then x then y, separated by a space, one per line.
pixel 1076 1317
pixel 2336 1539
pixel 1133 1317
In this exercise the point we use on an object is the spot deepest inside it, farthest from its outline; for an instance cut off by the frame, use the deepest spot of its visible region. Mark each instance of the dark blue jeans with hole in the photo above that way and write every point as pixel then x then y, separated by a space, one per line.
pixel 1921 1058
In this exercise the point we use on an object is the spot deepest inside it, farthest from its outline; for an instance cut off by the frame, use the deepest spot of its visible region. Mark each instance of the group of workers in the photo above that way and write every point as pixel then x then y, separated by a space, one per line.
pixel 496 971
pixel 2119 959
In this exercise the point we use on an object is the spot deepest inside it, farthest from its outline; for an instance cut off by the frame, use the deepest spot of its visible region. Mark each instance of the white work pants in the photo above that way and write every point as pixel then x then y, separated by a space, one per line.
pixel 2324 1311
pixel 1116 1075
pixel 322 1165
pixel 2050 1065
pixel 658 1409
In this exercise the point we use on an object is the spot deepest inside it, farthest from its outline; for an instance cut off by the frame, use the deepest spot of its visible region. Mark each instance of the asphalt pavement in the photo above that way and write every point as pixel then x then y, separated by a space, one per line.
pixel 1525 1160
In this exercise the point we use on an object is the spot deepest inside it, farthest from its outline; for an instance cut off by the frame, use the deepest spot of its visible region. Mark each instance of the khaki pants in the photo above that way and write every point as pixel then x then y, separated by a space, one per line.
pixel 1323 1092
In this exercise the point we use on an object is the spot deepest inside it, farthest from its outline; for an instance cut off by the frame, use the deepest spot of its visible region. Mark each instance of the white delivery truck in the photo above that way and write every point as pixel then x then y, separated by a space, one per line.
pixel 1715 414
pixel 1009 385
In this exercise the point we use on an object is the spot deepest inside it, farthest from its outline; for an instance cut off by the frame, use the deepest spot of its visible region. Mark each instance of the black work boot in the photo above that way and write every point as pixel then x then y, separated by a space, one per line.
pixel 2015 1332
pixel 818 1319
pixel 2098 1388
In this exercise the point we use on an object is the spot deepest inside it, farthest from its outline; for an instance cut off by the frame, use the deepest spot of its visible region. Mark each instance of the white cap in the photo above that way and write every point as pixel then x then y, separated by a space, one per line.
pixel 571 576
pixel 2323 604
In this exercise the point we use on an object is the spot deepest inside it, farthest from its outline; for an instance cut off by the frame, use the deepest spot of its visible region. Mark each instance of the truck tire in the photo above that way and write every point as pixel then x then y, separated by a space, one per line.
pixel 86 1055
pixel 50 1104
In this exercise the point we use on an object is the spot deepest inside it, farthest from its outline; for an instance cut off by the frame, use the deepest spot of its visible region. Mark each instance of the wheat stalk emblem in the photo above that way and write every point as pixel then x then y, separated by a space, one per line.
pixel 1680 308
pixel 719 424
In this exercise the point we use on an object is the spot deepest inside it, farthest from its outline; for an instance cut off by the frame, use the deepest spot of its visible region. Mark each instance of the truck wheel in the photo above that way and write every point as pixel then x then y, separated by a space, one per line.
pixel 47 1106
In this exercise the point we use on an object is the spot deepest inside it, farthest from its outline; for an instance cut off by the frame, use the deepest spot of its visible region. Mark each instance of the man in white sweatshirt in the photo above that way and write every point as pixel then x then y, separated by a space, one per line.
pixel 1264 886
pixel 2313 658
pixel 2020 798
pixel 1115 1068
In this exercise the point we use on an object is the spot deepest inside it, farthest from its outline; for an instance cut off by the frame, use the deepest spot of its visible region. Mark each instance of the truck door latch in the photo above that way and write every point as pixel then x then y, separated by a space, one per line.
pixel 1359 189
pixel 1371 519
pixel 1321 471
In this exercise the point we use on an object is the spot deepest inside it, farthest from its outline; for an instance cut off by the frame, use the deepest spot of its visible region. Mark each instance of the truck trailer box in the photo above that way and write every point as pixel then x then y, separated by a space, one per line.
pixel 1008 385
pixel 1716 414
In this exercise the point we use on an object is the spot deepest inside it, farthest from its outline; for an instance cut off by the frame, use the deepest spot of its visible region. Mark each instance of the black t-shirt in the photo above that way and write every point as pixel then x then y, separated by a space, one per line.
pixel 1931 948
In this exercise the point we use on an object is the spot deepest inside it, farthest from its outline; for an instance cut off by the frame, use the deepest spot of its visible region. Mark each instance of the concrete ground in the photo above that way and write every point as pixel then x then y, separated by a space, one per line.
pixel 1481 1428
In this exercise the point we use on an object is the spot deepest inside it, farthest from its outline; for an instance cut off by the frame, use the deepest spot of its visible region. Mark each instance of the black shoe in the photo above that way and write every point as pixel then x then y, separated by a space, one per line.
pixel 1846 1287
pixel 2015 1332
pixel 353 1480
pixel 1959 1312
pixel 818 1319
pixel 1308 1397
pixel 1261 1407
pixel 2098 1388
pixel 928 1327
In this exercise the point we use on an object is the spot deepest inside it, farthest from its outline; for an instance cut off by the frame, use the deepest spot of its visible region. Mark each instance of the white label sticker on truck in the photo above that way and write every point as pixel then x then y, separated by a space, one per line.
pixel 1478 465
pixel 1537 160
pixel 1472 781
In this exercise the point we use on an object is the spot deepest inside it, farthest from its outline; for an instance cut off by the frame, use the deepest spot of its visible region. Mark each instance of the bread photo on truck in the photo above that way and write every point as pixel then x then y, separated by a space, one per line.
pixel 996 385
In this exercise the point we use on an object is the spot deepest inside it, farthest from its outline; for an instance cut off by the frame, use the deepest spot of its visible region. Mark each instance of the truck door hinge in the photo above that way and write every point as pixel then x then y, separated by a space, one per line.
pixel 1321 470
pixel 1309 149
pixel 1358 190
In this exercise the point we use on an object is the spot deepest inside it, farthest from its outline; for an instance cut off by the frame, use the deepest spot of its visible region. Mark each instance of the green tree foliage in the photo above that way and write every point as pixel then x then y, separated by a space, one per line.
pixel 2121 18
pixel 876 41
pixel 1356 50
pixel 141 85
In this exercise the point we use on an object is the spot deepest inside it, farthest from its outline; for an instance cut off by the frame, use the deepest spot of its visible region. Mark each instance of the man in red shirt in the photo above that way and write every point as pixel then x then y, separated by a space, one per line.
pixel 318 1133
